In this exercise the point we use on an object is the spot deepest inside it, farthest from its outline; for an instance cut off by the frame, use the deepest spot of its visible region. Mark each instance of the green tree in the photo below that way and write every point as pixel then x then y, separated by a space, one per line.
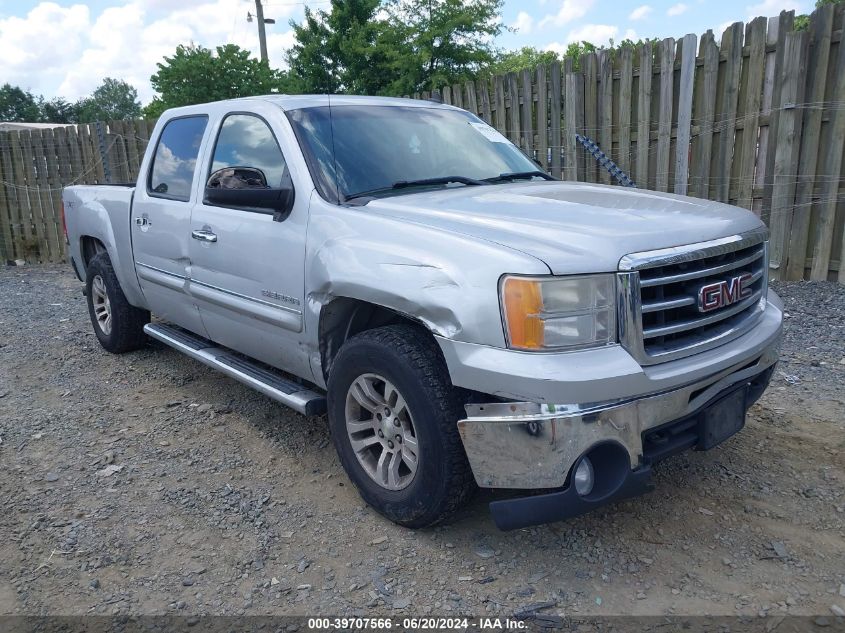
pixel 17 104
pixel 393 47
pixel 525 57
pixel 194 74
pixel 57 110
pixel 340 50
pixel 113 100
pixel 802 22
pixel 439 42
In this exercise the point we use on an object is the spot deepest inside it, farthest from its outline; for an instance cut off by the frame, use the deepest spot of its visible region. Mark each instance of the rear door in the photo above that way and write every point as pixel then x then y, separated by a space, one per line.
pixel 161 220
pixel 247 272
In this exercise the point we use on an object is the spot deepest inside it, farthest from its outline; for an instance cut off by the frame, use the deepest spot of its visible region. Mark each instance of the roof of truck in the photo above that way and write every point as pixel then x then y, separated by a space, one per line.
pixel 295 102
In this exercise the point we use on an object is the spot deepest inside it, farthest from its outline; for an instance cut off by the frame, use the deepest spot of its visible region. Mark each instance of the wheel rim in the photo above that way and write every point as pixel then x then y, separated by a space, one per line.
pixel 381 432
pixel 102 305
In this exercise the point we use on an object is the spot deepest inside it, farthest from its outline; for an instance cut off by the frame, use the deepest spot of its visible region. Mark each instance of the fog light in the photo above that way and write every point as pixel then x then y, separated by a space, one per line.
pixel 584 477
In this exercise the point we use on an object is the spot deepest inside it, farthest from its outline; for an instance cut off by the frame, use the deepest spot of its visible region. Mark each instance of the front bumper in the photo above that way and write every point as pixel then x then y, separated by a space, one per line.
pixel 533 444
pixel 693 431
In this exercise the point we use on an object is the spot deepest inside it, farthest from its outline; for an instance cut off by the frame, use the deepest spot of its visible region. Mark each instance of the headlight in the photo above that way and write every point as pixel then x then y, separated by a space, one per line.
pixel 554 313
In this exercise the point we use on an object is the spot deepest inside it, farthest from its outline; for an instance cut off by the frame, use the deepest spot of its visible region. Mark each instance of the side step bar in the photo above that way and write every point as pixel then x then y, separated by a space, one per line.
pixel 261 378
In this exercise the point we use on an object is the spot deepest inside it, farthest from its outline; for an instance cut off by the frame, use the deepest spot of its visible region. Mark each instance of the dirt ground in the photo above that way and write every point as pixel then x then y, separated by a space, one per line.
pixel 149 484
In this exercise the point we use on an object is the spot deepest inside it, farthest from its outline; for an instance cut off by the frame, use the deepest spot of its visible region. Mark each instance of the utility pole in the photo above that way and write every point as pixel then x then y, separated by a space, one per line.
pixel 262 37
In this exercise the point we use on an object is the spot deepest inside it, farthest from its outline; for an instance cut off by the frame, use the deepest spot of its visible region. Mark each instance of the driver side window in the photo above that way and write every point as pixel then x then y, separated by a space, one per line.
pixel 246 140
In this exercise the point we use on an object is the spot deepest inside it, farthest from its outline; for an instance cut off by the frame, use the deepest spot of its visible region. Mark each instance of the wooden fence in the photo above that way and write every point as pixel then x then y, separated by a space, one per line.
pixel 36 163
pixel 756 119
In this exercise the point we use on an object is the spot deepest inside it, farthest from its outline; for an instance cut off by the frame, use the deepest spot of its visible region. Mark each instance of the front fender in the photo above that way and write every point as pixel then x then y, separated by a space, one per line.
pixel 446 281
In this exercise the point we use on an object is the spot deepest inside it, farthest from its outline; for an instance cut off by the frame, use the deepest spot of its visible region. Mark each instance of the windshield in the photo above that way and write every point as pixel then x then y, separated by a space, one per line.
pixel 375 147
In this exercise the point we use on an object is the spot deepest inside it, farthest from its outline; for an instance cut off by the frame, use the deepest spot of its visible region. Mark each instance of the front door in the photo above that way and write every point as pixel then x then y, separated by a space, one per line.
pixel 161 222
pixel 247 272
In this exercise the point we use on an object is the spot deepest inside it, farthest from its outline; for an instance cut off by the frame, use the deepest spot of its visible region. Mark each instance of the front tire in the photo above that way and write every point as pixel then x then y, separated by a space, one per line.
pixel 118 325
pixel 393 416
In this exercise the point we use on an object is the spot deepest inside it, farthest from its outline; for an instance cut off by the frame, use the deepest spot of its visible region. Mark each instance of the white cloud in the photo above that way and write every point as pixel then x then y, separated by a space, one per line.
pixel 557 47
pixel 677 9
pixel 640 12
pixel 66 51
pixel 523 23
pixel 569 10
pixel 598 34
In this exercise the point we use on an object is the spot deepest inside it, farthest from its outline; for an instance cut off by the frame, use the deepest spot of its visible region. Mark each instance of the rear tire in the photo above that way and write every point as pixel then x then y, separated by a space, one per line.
pixel 400 374
pixel 118 325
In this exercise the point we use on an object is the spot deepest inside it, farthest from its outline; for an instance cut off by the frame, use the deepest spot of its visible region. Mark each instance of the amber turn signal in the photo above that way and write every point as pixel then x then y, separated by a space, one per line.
pixel 522 301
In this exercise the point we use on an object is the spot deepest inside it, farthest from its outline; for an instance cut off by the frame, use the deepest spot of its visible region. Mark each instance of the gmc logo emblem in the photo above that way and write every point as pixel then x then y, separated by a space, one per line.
pixel 724 293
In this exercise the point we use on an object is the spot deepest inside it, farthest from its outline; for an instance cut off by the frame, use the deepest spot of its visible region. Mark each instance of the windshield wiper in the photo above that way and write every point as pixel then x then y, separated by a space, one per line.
pixel 423 182
pixel 519 175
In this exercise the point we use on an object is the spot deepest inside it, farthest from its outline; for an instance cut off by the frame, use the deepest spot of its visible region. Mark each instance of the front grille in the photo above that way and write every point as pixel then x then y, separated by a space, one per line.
pixel 665 315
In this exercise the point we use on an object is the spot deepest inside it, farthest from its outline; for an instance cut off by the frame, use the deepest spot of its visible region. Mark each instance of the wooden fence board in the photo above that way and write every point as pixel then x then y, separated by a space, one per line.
pixel 446 95
pixel 705 113
pixel 605 104
pixel 731 49
pixel 513 109
pixel 501 120
pixel 555 115
pixel 626 79
pixel 778 31
pixel 470 97
pixel 486 110
pixel 749 111
pixel 786 154
pixel 644 114
pixel 664 129
pixel 685 96
pixel 830 175
pixel 50 213
pixel 39 188
pixel 542 122
pixel 7 240
pixel 526 109
pixel 589 69
pixel 26 192
pixel 573 114
pixel 457 96
pixel 821 29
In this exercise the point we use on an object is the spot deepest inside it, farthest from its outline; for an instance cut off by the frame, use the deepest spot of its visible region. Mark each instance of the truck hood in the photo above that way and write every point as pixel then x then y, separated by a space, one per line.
pixel 572 227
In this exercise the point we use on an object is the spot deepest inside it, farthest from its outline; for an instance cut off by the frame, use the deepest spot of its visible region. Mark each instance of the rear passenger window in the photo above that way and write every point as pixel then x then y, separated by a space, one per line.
pixel 172 171
pixel 246 140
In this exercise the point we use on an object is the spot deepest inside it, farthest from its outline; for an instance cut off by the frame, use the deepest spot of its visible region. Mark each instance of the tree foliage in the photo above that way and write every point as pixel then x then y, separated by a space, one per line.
pixel 525 57
pixel 194 74
pixel 393 47
pixel 438 42
pixel 113 100
pixel 340 50
pixel 17 104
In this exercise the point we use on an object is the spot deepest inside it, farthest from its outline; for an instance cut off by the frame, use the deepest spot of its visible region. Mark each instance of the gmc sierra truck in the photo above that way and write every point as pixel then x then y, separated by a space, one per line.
pixel 463 318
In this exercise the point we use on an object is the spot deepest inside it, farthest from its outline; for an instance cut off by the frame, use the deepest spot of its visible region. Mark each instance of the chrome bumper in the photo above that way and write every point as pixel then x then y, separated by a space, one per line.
pixel 529 445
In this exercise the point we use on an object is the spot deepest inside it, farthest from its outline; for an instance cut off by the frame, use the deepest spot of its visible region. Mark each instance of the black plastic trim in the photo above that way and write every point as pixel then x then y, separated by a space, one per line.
pixel 675 437
pixel 512 514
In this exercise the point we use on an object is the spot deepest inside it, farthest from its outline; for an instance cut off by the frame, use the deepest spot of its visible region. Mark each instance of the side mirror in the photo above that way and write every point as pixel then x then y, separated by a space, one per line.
pixel 240 187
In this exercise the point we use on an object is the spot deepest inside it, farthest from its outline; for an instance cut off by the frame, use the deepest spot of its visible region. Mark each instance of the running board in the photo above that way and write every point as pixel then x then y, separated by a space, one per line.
pixel 261 378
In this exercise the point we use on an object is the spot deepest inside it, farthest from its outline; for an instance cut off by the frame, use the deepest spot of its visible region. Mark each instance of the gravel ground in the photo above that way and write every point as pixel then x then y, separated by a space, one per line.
pixel 148 484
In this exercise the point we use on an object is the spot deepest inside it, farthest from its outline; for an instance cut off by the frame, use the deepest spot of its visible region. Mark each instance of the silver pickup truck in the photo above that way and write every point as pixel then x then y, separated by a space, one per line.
pixel 463 318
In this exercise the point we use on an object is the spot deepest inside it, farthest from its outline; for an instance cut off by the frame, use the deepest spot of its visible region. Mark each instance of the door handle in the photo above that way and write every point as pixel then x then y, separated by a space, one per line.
pixel 143 222
pixel 204 236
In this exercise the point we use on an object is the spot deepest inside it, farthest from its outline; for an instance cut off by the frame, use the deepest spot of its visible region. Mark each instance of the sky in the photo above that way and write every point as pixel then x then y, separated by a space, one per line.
pixel 65 48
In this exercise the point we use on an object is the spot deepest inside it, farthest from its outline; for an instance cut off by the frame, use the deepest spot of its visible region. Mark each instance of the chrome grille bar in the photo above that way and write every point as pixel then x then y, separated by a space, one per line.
pixel 660 318
pixel 693 324
pixel 704 272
